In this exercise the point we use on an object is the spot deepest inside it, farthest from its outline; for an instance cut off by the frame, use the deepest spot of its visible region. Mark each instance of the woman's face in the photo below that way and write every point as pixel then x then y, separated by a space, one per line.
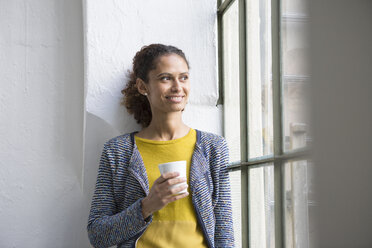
pixel 168 86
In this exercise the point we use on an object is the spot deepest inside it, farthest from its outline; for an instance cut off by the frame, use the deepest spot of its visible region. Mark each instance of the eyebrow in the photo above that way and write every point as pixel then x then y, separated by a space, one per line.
pixel 169 74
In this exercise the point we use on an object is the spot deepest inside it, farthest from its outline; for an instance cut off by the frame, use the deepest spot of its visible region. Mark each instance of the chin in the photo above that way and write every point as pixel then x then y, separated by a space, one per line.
pixel 177 108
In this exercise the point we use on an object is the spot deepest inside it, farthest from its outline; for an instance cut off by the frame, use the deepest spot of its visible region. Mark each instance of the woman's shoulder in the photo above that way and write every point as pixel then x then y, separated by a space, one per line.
pixel 213 146
pixel 210 140
pixel 210 137
pixel 120 141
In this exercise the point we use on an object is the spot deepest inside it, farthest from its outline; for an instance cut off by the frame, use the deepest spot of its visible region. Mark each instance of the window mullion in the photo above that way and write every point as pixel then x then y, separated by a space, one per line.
pixel 220 62
pixel 243 122
pixel 224 6
pixel 277 118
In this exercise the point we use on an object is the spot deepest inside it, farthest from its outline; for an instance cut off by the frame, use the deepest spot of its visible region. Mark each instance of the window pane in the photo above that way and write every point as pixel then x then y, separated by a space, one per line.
pixel 294 6
pixel 295 74
pixel 298 204
pixel 260 112
pixel 230 21
pixel 236 197
pixel 261 207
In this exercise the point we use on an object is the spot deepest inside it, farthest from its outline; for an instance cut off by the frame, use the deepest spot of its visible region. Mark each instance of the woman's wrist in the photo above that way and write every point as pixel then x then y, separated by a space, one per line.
pixel 145 211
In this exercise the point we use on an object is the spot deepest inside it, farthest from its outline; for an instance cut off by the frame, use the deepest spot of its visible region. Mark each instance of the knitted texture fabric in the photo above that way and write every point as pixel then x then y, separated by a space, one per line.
pixel 116 216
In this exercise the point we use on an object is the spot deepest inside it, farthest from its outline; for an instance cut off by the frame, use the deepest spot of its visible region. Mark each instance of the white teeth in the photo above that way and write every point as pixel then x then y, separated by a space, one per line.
pixel 175 98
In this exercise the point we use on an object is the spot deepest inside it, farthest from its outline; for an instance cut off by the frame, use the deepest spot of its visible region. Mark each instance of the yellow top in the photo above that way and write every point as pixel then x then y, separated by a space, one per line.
pixel 176 224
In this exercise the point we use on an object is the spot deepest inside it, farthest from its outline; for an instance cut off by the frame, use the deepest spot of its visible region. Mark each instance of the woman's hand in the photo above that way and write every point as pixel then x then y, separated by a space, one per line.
pixel 161 194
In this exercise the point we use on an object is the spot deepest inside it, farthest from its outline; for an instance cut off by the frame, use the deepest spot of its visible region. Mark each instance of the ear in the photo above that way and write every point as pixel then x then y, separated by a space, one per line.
pixel 141 86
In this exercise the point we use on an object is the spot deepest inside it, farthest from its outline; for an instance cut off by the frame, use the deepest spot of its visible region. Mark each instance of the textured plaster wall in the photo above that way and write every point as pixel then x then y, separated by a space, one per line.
pixel 114 31
pixel 41 124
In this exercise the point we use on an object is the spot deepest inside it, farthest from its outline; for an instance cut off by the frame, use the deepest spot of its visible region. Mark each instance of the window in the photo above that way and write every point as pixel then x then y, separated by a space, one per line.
pixel 264 81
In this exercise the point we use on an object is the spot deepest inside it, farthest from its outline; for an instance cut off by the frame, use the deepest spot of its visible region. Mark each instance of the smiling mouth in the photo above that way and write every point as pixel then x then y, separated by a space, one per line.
pixel 175 98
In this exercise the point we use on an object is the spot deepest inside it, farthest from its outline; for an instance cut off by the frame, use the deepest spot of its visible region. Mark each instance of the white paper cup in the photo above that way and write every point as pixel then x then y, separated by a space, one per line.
pixel 176 166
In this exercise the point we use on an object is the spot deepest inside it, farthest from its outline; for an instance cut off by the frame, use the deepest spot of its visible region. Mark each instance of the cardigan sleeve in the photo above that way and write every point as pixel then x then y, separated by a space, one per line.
pixel 106 226
pixel 224 234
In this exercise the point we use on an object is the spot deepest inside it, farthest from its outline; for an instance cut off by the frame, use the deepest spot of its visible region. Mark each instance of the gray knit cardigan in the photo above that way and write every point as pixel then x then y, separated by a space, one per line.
pixel 116 217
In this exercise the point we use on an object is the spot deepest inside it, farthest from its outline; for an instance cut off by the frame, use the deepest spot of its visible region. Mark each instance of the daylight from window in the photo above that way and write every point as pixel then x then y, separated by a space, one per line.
pixel 267 125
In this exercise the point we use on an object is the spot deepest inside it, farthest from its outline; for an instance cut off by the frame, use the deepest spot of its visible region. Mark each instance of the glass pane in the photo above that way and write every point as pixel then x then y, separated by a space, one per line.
pixel 295 74
pixel 294 7
pixel 260 112
pixel 230 21
pixel 235 181
pixel 299 204
pixel 261 207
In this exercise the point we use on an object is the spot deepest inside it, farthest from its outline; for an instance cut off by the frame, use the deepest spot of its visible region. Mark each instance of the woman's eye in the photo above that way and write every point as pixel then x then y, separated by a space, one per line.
pixel 165 78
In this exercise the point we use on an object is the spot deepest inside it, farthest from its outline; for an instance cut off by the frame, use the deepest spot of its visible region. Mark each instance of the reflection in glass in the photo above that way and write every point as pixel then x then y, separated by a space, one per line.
pixel 230 23
pixel 295 74
pixel 298 204
pixel 259 67
pixel 261 207
pixel 236 198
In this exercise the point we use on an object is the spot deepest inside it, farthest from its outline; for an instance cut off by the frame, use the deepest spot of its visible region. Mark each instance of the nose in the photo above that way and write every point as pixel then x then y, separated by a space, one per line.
pixel 176 86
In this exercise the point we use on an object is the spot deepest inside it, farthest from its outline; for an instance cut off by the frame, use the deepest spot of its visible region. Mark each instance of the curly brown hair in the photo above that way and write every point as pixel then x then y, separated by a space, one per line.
pixel 144 61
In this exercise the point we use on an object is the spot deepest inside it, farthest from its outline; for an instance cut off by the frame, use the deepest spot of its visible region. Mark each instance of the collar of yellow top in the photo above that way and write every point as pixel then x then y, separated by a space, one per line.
pixel 163 142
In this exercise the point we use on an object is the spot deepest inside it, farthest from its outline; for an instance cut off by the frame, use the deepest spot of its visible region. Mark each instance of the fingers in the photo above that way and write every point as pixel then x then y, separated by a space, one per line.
pixel 174 181
pixel 173 186
pixel 170 188
pixel 177 197
pixel 165 190
pixel 172 191
pixel 166 176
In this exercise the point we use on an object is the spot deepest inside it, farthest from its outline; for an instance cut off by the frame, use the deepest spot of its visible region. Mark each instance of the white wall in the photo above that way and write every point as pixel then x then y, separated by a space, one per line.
pixel 46 182
pixel 41 125
pixel 114 31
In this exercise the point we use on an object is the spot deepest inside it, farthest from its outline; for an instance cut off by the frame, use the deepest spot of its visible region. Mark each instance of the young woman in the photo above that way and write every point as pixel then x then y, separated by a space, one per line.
pixel 133 205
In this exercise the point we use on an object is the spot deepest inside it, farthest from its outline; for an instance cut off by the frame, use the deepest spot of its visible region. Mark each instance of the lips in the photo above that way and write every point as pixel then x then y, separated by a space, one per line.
pixel 175 98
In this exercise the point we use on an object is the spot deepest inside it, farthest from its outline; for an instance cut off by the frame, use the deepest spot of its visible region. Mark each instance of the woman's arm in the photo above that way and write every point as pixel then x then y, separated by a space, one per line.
pixel 224 234
pixel 106 227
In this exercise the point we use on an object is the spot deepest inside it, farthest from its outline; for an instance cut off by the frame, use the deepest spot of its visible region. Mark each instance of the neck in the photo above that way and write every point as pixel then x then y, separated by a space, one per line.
pixel 165 127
